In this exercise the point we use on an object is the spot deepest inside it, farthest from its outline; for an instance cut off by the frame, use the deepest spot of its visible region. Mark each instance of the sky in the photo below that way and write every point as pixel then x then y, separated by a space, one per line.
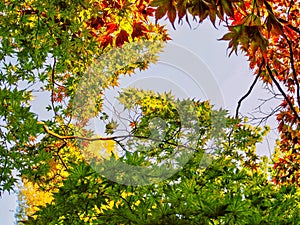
pixel 226 78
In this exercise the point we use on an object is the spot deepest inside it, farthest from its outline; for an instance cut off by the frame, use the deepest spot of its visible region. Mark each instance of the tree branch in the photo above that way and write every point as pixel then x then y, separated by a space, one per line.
pixel 60 158
pixel 112 138
pixel 283 93
pixel 293 69
pixel 70 137
pixel 53 83
pixel 249 91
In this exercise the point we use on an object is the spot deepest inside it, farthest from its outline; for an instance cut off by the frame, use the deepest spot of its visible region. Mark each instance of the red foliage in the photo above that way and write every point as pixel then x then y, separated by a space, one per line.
pixel 107 28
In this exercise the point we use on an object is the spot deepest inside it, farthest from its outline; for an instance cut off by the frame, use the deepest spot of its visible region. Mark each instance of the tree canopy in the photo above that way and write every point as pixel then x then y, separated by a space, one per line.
pixel 162 160
pixel 268 33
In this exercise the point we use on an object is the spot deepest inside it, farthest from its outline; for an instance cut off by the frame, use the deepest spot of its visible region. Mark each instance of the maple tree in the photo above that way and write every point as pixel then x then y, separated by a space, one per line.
pixel 268 32
pixel 53 44
pixel 229 186
pixel 74 51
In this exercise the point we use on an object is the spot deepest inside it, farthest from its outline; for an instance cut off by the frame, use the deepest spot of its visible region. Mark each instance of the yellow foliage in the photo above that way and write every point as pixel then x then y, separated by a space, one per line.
pixel 34 197
pixel 100 150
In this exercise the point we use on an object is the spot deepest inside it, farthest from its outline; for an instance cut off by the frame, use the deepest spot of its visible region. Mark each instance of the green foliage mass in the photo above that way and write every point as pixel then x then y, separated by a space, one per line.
pixel 220 183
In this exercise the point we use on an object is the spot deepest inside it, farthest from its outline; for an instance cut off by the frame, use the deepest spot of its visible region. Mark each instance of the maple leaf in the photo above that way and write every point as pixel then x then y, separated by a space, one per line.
pixel 251 20
pixel 96 23
pixel 273 24
pixel 181 7
pixel 199 9
pixel 111 27
pixel 160 12
pixel 138 30
pixel 226 7
pixel 149 11
pixel 236 33
pixel 122 37
pixel 172 14
pixel 165 7
pixel 133 124
pixel 105 40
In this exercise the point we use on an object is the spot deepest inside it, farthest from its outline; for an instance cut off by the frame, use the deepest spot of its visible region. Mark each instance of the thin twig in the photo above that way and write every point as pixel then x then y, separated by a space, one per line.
pixel 70 137
pixel 60 158
pixel 249 91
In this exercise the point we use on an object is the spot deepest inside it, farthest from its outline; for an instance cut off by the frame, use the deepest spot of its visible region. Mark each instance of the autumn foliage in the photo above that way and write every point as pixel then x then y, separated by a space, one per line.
pixel 62 48
pixel 268 32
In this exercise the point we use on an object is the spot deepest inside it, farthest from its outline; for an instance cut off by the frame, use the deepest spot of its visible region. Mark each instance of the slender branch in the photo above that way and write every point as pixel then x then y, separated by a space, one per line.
pixel 121 145
pixel 249 91
pixel 282 92
pixel 128 204
pixel 263 119
pixel 60 158
pixel 70 137
pixel 293 69
pixel 113 138
pixel 53 84
pixel 297 30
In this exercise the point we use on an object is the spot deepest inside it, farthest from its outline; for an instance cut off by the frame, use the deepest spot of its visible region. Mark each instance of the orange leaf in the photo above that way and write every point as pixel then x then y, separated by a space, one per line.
pixel 111 27
pixel 106 40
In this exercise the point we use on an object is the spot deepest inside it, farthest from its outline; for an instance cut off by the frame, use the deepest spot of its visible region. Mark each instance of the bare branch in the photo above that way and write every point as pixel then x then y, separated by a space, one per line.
pixel 249 91
pixel 290 6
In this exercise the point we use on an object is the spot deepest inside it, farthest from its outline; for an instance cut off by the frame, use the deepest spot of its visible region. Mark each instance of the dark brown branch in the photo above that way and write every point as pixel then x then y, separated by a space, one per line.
pixel 60 158
pixel 249 91
pixel 297 30
pixel 128 204
pixel 283 93
pixel 294 70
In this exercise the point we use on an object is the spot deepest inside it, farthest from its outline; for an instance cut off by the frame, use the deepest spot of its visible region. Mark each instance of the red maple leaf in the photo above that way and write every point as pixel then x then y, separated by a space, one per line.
pixel 122 37
pixel 138 30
